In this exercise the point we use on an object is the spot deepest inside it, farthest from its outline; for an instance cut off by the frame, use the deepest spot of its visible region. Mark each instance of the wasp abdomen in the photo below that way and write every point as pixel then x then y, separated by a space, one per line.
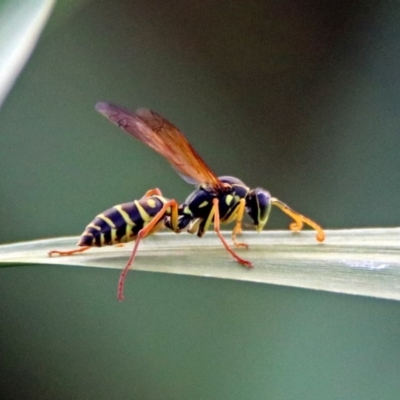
pixel 121 223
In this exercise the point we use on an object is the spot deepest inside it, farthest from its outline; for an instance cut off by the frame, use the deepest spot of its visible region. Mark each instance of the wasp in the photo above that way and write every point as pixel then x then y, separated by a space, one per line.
pixel 216 200
pixel 127 222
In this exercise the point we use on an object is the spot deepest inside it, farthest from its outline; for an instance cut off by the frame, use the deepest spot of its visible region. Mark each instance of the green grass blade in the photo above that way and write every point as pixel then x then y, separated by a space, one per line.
pixel 359 261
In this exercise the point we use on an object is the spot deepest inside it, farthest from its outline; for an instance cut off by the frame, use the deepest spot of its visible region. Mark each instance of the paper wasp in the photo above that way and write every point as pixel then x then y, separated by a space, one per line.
pixel 215 201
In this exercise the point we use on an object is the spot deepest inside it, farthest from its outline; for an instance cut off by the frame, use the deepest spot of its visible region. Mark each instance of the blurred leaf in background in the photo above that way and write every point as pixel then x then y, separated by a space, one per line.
pixel 21 23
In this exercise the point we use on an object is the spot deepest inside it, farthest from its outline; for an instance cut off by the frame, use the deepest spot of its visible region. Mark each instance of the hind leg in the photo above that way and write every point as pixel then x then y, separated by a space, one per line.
pixel 152 192
pixel 68 252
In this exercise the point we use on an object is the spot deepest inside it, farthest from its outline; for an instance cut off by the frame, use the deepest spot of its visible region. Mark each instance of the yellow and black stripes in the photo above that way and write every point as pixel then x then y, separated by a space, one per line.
pixel 122 223
pixel 127 222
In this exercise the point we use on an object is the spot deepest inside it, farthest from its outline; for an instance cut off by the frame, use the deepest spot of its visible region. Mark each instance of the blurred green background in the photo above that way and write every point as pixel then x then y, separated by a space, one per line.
pixel 298 97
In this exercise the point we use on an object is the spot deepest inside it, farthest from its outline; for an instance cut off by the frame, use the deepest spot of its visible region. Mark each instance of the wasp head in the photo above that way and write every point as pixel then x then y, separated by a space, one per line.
pixel 258 207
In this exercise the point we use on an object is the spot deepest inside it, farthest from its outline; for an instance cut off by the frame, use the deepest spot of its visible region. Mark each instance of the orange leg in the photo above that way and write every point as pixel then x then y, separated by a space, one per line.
pixel 68 252
pixel 299 219
pixel 146 231
pixel 215 210
pixel 152 192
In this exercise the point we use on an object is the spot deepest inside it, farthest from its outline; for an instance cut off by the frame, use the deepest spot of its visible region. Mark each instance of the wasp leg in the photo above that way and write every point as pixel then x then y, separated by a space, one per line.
pixel 68 252
pixel 149 229
pixel 152 192
pixel 299 219
pixel 215 213
pixel 237 230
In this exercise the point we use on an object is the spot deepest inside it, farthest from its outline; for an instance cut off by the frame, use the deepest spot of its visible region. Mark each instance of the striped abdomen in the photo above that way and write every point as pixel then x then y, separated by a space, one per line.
pixel 122 222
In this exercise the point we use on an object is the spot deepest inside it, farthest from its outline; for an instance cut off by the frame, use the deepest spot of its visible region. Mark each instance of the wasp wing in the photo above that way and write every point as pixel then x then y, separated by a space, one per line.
pixel 164 138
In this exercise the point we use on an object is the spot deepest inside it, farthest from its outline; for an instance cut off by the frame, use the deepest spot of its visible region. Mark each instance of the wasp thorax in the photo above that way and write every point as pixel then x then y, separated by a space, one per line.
pixel 258 206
